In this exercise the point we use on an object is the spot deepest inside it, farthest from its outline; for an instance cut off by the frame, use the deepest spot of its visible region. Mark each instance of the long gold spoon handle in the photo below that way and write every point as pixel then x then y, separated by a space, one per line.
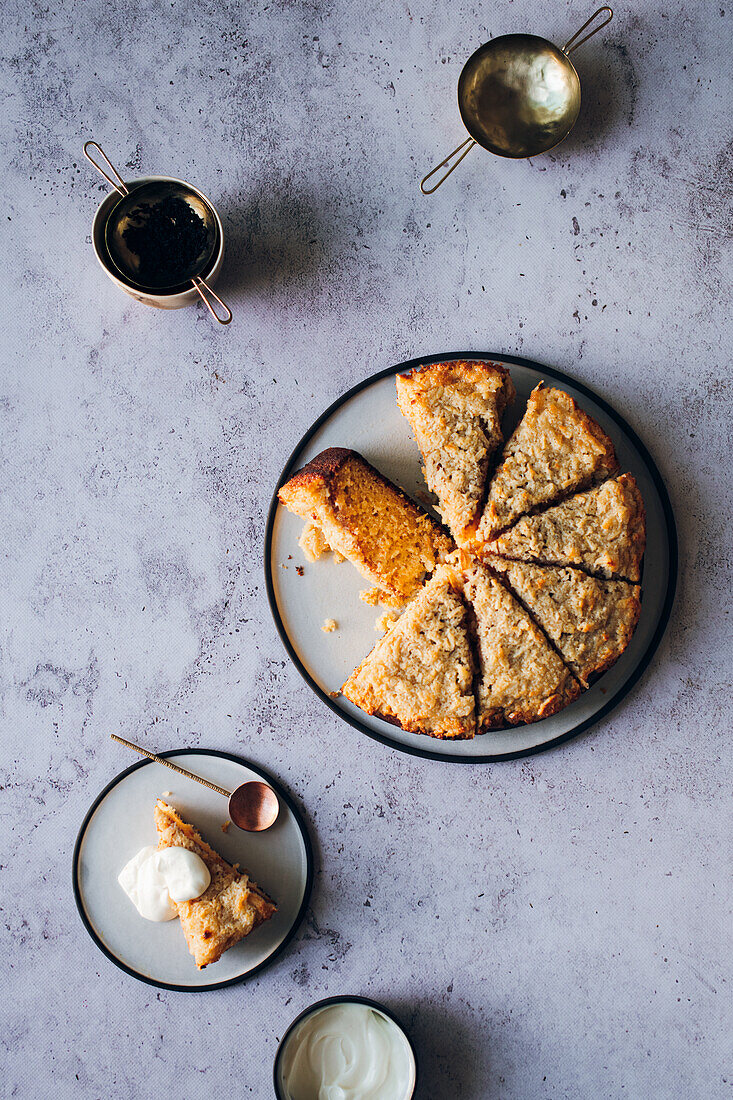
pixel 120 184
pixel 168 764
pixel 467 146
pixel 201 286
pixel 569 46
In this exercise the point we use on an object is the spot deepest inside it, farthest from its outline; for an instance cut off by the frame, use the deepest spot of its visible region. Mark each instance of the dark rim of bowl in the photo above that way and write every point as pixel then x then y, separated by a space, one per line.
pixel 340 1000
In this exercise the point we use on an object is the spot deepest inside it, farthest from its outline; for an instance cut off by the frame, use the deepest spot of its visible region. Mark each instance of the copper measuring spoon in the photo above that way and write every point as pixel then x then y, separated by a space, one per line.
pixel 253 806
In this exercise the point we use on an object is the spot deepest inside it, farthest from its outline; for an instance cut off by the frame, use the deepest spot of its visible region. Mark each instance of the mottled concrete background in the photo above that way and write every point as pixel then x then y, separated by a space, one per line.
pixel 555 927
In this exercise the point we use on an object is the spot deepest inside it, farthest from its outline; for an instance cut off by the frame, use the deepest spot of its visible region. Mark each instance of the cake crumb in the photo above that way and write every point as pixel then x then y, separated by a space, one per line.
pixel 299 570
pixel 329 625
pixel 334 694
pixel 167 794
pixel 385 621
pixel 312 542
pixel 225 826
pixel 370 596
pixel 338 557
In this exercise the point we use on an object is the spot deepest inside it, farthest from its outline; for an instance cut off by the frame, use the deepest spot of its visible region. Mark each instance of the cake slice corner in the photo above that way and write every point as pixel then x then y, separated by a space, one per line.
pixel 419 676
pixel 556 450
pixel 601 530
pixel 353 509
pixel 521 678
pixel 589 620
pixel 230 908
pixel 454 409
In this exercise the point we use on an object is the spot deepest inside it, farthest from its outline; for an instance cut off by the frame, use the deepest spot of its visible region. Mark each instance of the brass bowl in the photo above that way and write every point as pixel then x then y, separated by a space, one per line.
pixel 519 95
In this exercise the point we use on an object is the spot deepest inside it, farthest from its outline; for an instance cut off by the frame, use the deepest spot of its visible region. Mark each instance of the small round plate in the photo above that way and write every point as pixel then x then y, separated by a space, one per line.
pixel 368 420
pixel 120 822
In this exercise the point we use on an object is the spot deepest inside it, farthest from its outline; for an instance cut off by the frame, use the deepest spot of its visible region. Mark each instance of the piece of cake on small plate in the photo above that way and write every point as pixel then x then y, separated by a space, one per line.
pixel 420 674
pixel 601 530
pixel 520 678
pixel 589 620
pixel 353 509
pixel 556 450
pixel 455 410
pixel 228 910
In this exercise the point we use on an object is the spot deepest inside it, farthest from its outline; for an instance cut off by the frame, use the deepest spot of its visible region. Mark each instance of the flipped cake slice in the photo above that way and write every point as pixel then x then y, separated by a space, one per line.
pixel 420 674
pixel 455 411
pixel 231 906
pixel 556 450
pixel 521 678
pixel 602 530
pixel 591 621
pixel 353 509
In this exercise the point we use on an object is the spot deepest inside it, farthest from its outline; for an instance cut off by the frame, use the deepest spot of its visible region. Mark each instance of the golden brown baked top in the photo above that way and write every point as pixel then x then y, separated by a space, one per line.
pixel 536 600
pixel 455 410
pixel 591 621
pixel 556 450
pixel 362 515
pixel 602 530
pixel 521 678
pixel 231 906
pixel 420 674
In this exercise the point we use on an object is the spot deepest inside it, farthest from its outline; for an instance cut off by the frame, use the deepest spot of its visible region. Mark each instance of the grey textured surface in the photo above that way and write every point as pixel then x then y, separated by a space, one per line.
pixel 554 927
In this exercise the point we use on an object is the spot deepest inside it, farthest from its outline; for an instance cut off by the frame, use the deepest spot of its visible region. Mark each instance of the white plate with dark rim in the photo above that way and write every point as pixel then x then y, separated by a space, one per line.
pixel 120 822
pixel 368 420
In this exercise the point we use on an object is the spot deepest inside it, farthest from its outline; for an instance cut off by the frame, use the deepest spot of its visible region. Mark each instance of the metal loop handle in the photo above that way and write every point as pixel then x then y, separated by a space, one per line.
pixel 200 285
pixel 120 186
pixel 569 47
pixel 469 142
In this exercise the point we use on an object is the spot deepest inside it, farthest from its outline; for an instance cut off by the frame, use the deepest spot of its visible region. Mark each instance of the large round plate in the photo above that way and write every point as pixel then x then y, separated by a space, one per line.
pixel 120 822
pixel 368 420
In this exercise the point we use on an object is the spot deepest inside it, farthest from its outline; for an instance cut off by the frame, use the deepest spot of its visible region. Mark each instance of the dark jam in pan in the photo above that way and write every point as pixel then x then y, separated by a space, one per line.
pixel 168 238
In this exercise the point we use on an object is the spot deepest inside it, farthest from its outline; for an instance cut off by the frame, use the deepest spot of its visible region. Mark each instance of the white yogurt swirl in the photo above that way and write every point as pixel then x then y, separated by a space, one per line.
pixel 153 880
pixel 347 1052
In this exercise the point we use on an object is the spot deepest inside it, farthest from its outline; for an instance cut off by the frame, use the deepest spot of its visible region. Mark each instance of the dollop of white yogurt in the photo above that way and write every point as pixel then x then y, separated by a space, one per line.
pixel 347 1052
pixel 153 880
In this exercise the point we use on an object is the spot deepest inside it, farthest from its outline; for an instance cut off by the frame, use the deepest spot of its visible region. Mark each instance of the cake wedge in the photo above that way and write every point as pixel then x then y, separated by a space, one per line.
pixel 351 508
pixel 455 410
pixel 590 621
pixel 521 678
pixel 420 674
pixel 231 906
pixel 602 530
pixel 556 450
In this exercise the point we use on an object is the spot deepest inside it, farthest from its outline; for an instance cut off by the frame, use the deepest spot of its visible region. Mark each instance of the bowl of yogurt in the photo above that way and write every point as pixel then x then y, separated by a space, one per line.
pixel 345 1048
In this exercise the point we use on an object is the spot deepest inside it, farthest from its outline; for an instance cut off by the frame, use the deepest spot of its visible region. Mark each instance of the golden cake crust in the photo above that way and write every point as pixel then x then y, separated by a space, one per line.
pixel 228 910
pixel 602 530
pixel 539 596
pixel 521 678
pixel 363 516
pixel 589 620
pixel 321 468
pixel 455 410
pixel 556 450
pixel 419 676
